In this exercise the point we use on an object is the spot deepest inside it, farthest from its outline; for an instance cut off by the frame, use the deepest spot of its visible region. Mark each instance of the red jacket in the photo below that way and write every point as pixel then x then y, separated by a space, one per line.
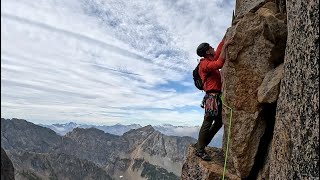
pixel 209 71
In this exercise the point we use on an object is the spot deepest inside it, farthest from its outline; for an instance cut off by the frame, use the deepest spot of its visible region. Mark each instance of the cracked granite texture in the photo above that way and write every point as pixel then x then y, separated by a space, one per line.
pixel 295 147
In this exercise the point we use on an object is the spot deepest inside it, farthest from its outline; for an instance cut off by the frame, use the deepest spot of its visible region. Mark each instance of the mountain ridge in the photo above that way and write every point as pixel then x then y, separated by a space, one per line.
pixel 115 154
pixel 120 129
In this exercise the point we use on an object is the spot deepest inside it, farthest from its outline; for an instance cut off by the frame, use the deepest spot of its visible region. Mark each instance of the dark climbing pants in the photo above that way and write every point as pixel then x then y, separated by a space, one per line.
pixel 210 126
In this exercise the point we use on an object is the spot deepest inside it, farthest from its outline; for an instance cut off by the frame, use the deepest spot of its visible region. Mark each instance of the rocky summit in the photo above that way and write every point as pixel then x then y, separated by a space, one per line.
pixel 271 82
pixel 144 153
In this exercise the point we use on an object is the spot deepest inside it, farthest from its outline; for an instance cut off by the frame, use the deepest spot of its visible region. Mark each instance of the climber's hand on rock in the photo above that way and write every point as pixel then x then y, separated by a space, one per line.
pixel 228 42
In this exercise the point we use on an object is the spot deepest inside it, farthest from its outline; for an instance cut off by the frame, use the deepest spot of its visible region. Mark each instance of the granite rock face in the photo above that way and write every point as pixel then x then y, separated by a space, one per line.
pixel 245 6
pixel 7 170
pixel 271 80
pixel 295 147
pixel 257 36
pixel 268 91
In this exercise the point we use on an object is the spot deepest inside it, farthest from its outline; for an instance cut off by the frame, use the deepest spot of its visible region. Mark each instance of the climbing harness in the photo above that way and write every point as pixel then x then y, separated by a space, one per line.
pixel 211 103
pixel 226 157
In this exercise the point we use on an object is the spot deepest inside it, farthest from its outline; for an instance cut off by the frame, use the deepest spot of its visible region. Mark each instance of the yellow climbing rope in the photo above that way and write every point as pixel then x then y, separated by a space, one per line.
pixel 226 157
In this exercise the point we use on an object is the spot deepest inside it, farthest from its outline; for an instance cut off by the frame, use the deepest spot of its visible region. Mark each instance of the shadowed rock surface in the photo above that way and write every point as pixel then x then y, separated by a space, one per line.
pixel 7 170
pixel 268 91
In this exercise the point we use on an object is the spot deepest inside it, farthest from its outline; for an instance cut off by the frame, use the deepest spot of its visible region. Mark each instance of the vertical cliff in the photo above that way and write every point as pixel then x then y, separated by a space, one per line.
pixel 259 34
pixel 295 146
pixel 271 80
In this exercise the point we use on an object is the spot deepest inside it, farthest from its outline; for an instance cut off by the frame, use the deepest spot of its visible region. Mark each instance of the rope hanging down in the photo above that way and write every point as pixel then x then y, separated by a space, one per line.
pixel 226 157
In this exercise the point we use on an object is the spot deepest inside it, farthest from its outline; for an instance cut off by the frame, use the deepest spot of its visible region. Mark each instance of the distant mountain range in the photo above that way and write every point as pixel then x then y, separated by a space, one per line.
pixel 89 153
pixel 119 129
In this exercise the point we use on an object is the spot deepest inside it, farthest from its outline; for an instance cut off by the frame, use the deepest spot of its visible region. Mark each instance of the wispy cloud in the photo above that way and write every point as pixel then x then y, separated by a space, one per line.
pixel 105 62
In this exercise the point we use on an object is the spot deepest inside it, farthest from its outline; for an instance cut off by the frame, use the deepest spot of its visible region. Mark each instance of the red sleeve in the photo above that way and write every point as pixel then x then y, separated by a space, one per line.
pixel 214 65
pixel 218 50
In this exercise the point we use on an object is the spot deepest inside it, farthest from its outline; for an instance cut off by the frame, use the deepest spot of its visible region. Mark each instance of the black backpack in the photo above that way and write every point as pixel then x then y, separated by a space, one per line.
pixel 197 79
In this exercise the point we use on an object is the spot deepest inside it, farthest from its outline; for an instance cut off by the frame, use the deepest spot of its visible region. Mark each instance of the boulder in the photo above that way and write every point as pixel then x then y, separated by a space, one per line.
pixel 269 90
pixel 195 168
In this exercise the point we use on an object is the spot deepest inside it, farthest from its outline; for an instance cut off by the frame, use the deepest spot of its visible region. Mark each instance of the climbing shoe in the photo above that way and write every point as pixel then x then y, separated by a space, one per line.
pixel 203 155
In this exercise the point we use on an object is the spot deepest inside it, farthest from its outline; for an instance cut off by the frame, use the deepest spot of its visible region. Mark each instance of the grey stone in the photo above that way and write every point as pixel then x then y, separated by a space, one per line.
pixel 245 6
pixel 269 90
pixel 295 146
pixel 195 168
pixel 264 41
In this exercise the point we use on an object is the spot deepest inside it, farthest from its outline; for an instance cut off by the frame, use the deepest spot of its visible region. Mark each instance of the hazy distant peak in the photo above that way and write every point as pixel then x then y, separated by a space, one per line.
pixel 168 125
pixel 66 125
pixel 148 127
pixel 90 130
pixel 140 133
pixel 89 133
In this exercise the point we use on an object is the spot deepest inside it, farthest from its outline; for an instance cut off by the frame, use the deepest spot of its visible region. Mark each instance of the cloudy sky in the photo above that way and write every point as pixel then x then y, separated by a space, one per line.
pixel 106 61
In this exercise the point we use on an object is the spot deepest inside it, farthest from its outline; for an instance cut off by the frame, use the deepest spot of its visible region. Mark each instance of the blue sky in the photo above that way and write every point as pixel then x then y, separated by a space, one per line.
pixel 106 62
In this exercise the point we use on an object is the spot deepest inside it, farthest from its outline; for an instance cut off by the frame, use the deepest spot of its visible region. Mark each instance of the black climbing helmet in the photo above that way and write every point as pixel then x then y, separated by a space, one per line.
pixel 202 48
